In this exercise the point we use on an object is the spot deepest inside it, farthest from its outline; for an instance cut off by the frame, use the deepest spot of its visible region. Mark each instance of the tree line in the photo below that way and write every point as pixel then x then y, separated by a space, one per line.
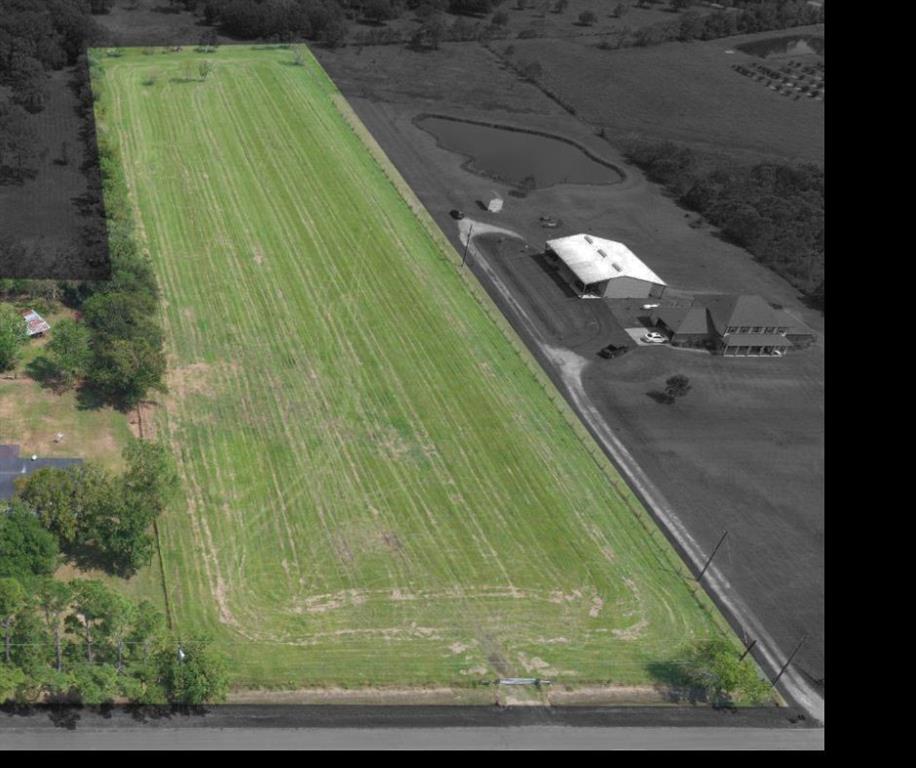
pixel 36 36
pixel 40 35
pixel 119 356
pixel 775 211
pixel 83 642
pixel 329 21
pixel 743 17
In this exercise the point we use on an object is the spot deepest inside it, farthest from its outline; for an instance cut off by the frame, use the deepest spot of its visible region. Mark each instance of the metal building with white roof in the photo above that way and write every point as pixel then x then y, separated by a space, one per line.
pixel 599 267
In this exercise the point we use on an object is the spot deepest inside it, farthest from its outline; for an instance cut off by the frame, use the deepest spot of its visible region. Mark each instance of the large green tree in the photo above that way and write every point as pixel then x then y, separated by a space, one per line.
pixel 13 599
pixel 69 502
pixel 93 605
pixel 54 598
pixel 715 666
pixel 26 547
pixel 13 336
pixel 69 352
pixel 122 529
pixel 193 673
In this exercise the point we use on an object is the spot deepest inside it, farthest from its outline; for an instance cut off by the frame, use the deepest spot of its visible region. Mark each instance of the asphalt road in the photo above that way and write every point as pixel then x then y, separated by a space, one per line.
pixel 528 737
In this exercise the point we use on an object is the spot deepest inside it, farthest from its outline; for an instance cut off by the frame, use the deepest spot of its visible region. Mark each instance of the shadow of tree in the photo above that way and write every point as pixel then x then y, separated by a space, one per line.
pixel 89 557
pixel 64 715
pixel 679 688
pixel 88 398
pixel 663 398
pixel 42 370
pixel 143 713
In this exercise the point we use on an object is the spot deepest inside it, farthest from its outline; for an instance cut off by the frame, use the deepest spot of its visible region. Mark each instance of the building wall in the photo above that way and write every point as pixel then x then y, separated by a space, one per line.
pixel 631 288
pixel 764 345
pixel 691 340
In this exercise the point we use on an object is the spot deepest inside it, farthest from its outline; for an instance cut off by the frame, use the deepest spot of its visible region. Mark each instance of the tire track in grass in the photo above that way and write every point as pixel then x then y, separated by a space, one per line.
pixel 499 520
pixel 376 345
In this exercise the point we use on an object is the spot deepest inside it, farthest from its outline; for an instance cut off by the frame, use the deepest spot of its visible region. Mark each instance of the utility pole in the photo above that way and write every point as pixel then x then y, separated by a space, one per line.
pixel 789 660
pixel 467 245
pixel 709 560
pixel 747 650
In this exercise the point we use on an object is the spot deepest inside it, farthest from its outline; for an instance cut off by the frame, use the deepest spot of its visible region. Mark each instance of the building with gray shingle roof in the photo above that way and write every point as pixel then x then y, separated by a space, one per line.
pixel 735 325
pixel 13 467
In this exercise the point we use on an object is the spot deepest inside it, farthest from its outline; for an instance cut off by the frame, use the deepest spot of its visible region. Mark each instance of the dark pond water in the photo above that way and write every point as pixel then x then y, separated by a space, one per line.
pixel 522 159
pixel 784 46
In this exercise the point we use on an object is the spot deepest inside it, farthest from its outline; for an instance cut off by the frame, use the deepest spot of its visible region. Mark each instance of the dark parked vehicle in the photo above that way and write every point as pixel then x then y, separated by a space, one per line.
pixel 456 214
pixel 612 351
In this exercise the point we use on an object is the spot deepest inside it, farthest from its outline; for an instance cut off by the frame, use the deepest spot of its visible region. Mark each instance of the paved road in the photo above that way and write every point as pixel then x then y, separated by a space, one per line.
pixel 531 737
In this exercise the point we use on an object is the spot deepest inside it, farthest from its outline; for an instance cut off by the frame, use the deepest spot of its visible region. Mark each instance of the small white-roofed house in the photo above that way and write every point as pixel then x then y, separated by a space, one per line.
pixel 35 324
pixel 598 267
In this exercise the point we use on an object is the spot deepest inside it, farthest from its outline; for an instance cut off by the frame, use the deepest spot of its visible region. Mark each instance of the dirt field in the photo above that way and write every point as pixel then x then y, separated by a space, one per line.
pixel 746 451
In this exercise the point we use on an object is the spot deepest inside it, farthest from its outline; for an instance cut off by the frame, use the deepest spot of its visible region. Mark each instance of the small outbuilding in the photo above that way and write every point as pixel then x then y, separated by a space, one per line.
pixel 35 324
pixel 604 268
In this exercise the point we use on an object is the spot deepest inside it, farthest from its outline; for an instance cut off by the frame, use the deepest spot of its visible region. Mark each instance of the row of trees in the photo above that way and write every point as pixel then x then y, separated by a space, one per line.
pixel 775 211
pixel 745 18
pixel 101 519
pixel 81 641
pixel 283 20
pixel 327 20
pixel 40 35
pixel 121 315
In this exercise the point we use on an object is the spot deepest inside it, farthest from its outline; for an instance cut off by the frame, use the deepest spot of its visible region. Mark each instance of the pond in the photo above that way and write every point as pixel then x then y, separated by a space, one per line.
pixel 524 160
pixel 784 46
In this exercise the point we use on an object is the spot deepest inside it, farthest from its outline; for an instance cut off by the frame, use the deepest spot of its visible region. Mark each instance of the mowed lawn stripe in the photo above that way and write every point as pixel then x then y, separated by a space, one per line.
pixel 377 488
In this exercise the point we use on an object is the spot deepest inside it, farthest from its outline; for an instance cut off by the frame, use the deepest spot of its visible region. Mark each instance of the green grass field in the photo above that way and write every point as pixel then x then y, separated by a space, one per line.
pixel 378 488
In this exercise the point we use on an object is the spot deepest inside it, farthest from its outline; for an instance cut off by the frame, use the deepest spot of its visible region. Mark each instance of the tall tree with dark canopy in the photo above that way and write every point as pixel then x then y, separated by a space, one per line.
pixel 12 599
pixel 13 336
pixel 68 351
pixel 26 547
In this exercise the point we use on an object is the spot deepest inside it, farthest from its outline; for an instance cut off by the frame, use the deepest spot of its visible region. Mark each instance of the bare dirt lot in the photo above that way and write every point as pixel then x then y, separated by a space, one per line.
pixel 745 453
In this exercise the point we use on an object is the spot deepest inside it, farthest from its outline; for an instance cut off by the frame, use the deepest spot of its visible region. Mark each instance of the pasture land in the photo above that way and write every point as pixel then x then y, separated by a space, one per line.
pixel 31 416
pixel 378 487
pixel 683 92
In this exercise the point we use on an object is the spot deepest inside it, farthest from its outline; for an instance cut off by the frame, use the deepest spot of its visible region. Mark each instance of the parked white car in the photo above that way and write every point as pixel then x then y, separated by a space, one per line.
pixel 654 337
pixel 651 306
